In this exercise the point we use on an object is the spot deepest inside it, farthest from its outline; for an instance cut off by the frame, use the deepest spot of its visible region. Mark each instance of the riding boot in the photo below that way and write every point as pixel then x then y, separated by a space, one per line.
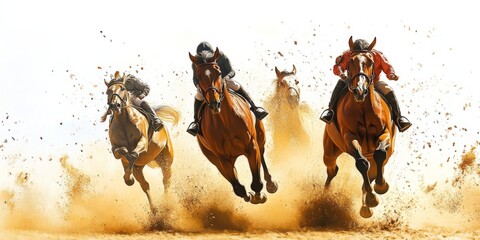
pixel 157 122
pixel 259 112
pixel 194 127
pixel 402 122
pixel 327 115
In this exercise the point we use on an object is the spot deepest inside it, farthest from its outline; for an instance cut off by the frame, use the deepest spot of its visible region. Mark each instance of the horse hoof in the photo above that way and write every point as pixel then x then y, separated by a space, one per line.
pixel 129 181
pixel 258 198
pixel 248 197
pixel 272 187
pixel 120 152
pixel 371 200
pixel 366 212
pixel 381 189
pixel 379 155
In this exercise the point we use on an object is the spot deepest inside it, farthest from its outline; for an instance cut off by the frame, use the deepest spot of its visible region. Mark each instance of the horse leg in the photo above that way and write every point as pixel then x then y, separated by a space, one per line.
pixel 362 165
pixel 254 161
pixel 127 177
pixel 138 173
pixel 228 171
pixel 165 160
pixel 365 211
pixel 380 154
pixel 272 186
pixel 330 155
pixel 133 156
pixel 119 152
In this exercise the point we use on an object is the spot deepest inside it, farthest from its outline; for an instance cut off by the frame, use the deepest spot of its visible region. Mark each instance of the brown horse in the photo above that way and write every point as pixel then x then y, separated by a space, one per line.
pixel 363 129
pixel 134 141
pixel 229 130
pixel 286 112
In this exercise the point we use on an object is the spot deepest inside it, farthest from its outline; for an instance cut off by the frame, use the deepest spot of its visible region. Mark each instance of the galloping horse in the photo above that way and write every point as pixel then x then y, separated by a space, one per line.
pixel 286 112
pixel 363 129
pixel 134 141
pixel 229 130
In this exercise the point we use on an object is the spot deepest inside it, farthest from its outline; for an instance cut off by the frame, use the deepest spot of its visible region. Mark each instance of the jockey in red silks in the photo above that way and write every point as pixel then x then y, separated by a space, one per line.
pixel 380 64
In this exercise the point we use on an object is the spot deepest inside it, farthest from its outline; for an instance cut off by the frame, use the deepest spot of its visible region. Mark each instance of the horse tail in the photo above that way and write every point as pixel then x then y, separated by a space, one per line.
pixel 169 114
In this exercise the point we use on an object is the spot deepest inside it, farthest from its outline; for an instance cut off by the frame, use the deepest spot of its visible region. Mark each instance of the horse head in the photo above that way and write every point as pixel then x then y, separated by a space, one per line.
pixel 287 86
pixel 209 78
pixel 117 94
pixel 360 72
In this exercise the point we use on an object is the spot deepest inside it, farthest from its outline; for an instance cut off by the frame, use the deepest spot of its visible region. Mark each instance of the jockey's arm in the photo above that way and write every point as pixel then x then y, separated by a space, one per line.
pixel 387 68
pixel 226 67
pixel 341 63
pixel 137 86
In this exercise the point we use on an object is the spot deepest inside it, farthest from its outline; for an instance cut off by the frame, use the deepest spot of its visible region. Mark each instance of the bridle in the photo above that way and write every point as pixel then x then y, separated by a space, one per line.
pixel 370 78
pixel 212 88
pixel 122 99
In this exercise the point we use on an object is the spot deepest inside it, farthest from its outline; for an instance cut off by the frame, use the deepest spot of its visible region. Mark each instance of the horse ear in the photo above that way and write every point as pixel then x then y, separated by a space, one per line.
pixel 279 74
pixel 105 81
pixel 216 55
pixel 294 70
pixel 192 58
pixel 117 75
pixel 350 43
pixel 370 47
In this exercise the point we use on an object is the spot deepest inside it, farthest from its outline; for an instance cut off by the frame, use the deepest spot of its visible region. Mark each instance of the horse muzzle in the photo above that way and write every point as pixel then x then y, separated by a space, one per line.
pixel 116 108
pixel 360 94
pixel 215 107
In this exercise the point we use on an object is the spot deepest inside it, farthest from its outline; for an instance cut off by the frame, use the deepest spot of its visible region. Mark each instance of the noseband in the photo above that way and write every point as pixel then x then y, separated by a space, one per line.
pixel 212 88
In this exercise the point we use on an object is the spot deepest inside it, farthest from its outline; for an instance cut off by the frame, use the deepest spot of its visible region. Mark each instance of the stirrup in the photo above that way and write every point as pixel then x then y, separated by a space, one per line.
pixel 259 112
pixel 324 118
pixel 193 128
pixel 404 128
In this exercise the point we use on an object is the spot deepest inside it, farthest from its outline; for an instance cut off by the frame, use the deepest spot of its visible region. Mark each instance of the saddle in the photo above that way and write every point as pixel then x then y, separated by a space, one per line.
pixel 149 120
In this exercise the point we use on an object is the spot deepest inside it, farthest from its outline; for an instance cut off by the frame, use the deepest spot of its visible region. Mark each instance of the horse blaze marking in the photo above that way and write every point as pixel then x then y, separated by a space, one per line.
pixel 207 72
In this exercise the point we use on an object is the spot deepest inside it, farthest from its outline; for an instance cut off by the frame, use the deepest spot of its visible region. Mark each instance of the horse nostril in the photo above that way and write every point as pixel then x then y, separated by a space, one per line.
pixel 117 105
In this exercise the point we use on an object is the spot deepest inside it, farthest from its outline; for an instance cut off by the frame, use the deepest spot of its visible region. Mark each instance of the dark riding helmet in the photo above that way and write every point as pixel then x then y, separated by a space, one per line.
pixel 360 45
pixel 204 46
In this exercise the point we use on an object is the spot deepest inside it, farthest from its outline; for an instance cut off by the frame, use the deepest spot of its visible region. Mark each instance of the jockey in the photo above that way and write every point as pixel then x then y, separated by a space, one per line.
pixel 227 74
pixel 138 91
pixel 380 64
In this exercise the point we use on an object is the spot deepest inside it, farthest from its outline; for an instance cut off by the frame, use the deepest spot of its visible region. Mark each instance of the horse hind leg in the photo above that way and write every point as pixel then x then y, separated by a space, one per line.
pixel 165 160
pixel 138 173
pixel 330 155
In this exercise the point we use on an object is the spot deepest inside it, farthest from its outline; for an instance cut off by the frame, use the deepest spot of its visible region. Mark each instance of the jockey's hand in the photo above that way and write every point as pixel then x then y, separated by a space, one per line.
pixel 343 76
pixel 392 76
pixel 141 96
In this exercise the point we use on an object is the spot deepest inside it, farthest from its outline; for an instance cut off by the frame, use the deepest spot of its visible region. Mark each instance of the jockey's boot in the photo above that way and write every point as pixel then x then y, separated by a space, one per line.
pixel 194 127
pixel 157 122
pixel 327 115
pixel 402 122
pixel 259 112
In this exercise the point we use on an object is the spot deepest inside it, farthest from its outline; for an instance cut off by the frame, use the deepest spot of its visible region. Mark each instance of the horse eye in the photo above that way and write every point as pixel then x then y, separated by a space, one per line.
pixel 296 81
pixel 123 88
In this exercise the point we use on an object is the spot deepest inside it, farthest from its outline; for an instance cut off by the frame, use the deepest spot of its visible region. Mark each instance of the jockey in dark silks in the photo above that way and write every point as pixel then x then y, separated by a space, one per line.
pixel 205 49
pixel 380 64
pixel 138 91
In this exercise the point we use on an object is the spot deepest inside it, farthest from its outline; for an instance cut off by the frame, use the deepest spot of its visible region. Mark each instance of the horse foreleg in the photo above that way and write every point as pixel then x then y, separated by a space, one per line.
pixel 365 211
pixel 141 147
pixel 255 161
pixel 227 169
pixel 138 173
pixel 362 165
pixel 380 154
pixel 127 177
